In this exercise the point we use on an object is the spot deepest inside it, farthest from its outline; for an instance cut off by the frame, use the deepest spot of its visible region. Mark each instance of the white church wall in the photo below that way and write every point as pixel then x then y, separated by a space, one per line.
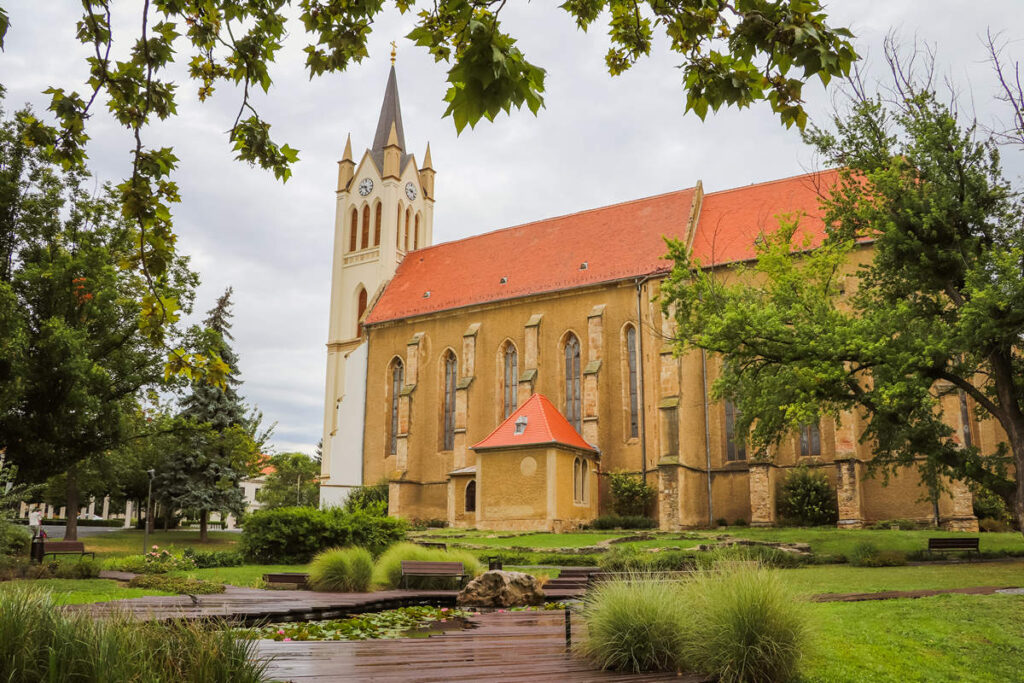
pixel 346 448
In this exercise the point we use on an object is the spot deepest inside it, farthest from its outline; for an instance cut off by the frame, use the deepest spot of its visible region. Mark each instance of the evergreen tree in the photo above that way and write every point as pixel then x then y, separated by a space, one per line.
pixel 223 438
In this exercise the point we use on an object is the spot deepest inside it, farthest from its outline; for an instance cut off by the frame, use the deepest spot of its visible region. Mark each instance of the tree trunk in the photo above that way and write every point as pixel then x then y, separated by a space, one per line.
pixel 204 516
pixel 1012 422
pixel 71 523
pixel 166 510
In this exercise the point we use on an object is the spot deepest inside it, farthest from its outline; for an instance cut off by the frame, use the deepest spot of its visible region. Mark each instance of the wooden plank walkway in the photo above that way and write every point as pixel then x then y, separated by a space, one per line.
pixel 509 646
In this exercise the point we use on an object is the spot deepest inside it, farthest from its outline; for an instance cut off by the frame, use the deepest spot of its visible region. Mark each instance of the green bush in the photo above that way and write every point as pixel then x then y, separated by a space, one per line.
pixel 39 641
pixel 206 559
pixel 343 570
pixel 807 498
pixel 617 522
pixel 635 625
pixel 85 568
pixel 742 625
pixel 388 572
pixel 630 495
pixel 988 505
pixel 867 555
pixel 759 554
pixel 630 559
pixel 900 524
pixel 373 499
pixel 176 584
pixel 14 539
pixel 293 535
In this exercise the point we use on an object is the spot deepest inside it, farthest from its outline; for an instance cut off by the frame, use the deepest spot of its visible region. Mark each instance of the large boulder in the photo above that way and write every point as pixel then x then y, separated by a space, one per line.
pixel 502 589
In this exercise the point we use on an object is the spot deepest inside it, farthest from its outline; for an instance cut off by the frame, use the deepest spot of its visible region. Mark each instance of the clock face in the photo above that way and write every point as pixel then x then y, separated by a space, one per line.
pixel 410 191
pixel 366 187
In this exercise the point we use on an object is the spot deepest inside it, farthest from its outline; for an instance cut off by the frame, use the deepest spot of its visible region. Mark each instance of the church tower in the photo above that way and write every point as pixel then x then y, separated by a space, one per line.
pixel 384 209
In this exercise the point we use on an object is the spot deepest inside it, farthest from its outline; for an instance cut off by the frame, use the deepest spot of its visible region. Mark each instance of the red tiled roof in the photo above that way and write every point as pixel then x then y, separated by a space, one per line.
pixel 616 242
pixel 544 425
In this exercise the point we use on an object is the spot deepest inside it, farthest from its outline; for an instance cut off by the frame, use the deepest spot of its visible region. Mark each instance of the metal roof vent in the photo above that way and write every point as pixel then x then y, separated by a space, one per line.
pixel 426 294
pixel 504 280
pixel 521 424
pixel 584 265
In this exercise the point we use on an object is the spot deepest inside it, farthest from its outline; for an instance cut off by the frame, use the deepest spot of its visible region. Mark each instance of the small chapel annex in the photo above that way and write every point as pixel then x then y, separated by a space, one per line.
pixel 438 354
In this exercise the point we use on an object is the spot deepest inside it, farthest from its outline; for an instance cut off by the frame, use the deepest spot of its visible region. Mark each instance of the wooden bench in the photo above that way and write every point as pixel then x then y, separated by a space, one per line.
pixel 298 579
pixel 943 545
pixel 453 570
pixel 433 544
pixel 65 548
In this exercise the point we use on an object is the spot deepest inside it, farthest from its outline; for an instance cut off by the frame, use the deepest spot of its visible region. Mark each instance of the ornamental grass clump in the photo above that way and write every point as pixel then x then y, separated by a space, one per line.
pixel 743 625
pixel 635 624
pixel 342 570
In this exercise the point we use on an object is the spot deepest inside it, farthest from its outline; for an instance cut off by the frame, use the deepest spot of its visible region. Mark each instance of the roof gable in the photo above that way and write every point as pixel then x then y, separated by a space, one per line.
pixel 541 423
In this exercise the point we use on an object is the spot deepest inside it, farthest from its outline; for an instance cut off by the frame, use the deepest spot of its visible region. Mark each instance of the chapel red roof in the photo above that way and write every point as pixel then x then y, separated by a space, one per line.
pixel 544 425
pixel 614 242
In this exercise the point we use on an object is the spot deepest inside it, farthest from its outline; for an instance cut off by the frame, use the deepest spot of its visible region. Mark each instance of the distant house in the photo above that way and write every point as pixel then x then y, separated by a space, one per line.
pixel 252 486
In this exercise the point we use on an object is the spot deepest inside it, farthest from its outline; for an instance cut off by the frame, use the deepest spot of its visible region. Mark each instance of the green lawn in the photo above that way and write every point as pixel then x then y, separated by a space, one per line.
pixel 130 541
pixel 943 638
pixel 830 541
pixel 82 591
pixel 245 576
pixel 846 579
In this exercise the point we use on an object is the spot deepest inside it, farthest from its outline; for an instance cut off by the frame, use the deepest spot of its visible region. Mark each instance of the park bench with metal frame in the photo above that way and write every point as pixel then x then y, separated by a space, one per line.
pixel 297 579
pixel 433 544
pixel 65 548
pixel 944 545
pixel 453 570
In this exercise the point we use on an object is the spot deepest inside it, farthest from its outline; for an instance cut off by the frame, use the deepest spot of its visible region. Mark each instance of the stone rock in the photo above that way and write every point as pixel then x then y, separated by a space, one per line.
pixel 501 589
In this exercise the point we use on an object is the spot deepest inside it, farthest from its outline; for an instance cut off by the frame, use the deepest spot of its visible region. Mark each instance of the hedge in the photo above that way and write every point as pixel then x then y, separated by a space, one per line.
pixel 293 535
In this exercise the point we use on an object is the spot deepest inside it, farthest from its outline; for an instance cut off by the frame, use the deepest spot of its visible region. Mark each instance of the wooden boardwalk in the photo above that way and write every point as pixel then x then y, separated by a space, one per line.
pixel 509 646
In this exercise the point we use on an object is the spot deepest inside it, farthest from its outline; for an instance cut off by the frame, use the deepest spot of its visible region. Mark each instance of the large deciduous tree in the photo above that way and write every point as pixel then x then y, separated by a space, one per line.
pixel 76 358
pixel 291 480
pixel 936 309
pixel 732 53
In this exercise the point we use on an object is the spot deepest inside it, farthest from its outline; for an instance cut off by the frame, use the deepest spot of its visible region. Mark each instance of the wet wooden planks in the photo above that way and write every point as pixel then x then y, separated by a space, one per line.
pixel 510 646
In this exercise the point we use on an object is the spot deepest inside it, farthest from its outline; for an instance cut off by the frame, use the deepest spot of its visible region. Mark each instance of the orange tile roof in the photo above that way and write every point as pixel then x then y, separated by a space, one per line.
pixel 616 242
pixel 544 425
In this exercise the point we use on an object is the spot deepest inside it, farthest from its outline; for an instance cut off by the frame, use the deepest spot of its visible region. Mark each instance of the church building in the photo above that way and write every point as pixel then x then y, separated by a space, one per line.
pixel 496 380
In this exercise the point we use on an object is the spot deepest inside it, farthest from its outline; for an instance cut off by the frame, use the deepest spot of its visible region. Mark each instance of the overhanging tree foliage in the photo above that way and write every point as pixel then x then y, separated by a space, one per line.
pixel 938 309
pixel 291 483
pixel 733 53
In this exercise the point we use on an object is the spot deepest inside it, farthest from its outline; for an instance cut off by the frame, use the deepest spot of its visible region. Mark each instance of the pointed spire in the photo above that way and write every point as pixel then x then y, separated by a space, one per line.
pixel 390 116
pixel 347 156
pixel 426 158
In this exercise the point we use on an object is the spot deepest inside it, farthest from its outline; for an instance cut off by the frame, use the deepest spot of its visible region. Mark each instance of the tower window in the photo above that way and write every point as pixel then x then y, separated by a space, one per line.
pixel 416 233
pixel 511 379
pixel 572 382
pixel 353 231
pixel 634 400
pixel 376 226
pixel 365 242
pixel 448 416
pixel 360 309
pixel 405 234
pixel 965 419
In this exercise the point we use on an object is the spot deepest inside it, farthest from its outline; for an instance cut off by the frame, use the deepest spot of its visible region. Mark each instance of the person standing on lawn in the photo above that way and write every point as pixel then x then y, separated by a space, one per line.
pixel 35 521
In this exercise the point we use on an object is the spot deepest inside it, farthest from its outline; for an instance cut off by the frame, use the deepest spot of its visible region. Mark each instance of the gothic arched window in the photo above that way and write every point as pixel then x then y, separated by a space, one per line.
pixel 376 225
pixel 810 439
pixel 416 233
pixel 634 399
pixel 572 382
pixel 471 496
pixel 398 227
pixel 365 242
pixel 353 232
pixel 579 480
pixel 405 235
pixel 397 380
pixel 451 366
pixel 360 309
pixel 510 379
pixel 735 448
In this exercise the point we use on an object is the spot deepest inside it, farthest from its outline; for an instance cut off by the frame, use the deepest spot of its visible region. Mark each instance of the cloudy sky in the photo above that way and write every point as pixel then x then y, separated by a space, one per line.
pixel 598 141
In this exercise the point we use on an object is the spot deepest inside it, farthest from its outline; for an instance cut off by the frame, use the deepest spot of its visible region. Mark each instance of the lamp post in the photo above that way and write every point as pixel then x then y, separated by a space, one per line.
pixel 149 512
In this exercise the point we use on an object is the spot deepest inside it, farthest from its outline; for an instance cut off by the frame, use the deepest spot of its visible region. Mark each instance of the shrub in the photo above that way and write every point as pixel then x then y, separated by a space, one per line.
pixel 424 524
pixel 156 561
pixel 901 524
pixel 41 642
pixel 759 554
pixel 988 505
pixel 742 625
pixel 85 568
pixel 807 498
pixel 867 555
pixel 206 559
pixel 635 625
pixel 739 522
pixel 373 499
pixel 347 570
pixel 388 572
pixel 619 522
pixel 293 535
pixel 630 559
pixel 989 524
pixel 721 521
pixel 14 539
pixel 177 584
pixel 630 496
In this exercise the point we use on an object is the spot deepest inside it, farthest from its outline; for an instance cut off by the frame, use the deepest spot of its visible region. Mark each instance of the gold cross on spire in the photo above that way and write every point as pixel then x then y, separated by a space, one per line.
pixel 394 51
